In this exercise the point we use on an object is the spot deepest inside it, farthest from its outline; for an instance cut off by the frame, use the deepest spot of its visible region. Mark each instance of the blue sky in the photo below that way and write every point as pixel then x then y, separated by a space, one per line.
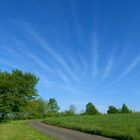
pixel 82 50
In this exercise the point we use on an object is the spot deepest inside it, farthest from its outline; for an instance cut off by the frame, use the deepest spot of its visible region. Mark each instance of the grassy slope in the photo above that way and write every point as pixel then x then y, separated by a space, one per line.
pixel 19 130
pixel 121 126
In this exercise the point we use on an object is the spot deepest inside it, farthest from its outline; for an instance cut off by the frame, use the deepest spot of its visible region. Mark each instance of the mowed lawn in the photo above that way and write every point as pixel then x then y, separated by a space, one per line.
pixel 119 126
pixel 19 130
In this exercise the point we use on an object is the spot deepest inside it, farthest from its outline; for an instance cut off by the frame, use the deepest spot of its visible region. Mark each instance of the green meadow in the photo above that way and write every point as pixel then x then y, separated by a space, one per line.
pixel 119 126
pixel 19 130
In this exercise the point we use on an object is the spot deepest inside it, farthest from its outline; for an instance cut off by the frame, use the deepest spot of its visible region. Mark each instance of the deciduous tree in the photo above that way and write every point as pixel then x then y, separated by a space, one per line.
pixel 91 109
pixel 112 110
pixel 125 109
pixel 16 89
pixel 52 107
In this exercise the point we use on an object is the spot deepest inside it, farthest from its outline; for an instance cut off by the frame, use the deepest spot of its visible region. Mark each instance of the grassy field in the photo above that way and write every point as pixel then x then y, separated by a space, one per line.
pixel 19 130
pixel 119 126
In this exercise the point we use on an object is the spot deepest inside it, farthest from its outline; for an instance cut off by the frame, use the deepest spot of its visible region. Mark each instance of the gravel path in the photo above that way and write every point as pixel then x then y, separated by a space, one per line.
pixel 63 133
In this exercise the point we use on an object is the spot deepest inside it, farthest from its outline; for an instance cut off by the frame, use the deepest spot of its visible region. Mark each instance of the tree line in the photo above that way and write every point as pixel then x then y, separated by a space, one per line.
pixel 19 99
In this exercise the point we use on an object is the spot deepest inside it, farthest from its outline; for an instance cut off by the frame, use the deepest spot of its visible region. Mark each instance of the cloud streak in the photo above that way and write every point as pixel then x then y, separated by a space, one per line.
pixel 4 62
pixel 129 69
pixel 63 76
pixel 27 55
pixel 76 22
pixel 109 66
pixel 32 61
pixel 55 55
pixel 95 57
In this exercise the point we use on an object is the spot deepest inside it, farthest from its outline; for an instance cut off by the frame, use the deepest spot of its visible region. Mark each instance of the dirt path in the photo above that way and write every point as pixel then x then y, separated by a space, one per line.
pixel 63 133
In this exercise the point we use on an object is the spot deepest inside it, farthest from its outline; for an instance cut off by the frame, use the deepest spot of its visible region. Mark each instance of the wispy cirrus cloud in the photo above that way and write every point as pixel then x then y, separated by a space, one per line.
pixel 95 56
pixel 131 67
pixel 109 65
pixel 28 56
pixel 55 55
pixel 7 63
pixel 78 28
pixel 135 62
pixel 65 66
pixel 63 76
pixel 11 56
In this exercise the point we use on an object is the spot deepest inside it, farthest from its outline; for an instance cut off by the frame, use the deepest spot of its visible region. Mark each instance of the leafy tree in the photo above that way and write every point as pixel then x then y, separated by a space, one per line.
pixel 42 106
pixel 112 110
pixel 16 89
pixel 91 109
pixel 5 87
pixel 125 109
pixel 52 107
pixel 71 111
pixel 36 108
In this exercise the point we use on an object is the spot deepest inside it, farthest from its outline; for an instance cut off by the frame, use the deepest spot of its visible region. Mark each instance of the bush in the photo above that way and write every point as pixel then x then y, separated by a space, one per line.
pixel 112 110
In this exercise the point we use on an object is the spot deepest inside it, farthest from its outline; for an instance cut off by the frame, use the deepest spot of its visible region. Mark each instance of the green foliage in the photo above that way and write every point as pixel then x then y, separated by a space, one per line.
pixel 16 89
pixel 36 108
pixel 118 126
pixel 71 111
pixel 112 110
pixel 125 109
pixel 91 109
pixel 52 107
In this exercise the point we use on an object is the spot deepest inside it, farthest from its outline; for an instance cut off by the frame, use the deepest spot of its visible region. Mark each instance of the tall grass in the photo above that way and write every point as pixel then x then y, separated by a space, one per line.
pixel 119 126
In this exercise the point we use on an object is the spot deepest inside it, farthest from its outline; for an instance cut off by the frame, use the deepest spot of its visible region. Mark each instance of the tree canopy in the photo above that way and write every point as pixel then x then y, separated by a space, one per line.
pixel 52 106
pixel 18 99
pixel 125 109
pixel 112 110
pixel 36 108
pixel 16 89
pixel 91 109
